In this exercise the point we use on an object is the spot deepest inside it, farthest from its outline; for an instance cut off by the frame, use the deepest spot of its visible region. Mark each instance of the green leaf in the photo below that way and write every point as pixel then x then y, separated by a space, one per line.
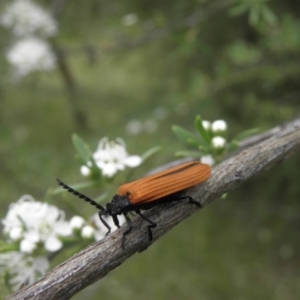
pixel 246 133
pixel 194 142
pixel 150 153
pixel 69 240
pixel 82 148
pixel 183 134
pixel 204 149
pixel 202 131
pixel 268 15
pixel 6 247
pixel 254 15
pixel 7 278
pixel 233 145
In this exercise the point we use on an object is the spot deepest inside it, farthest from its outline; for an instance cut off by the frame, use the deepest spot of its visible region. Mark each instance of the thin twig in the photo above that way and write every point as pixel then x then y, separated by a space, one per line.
pixel 94 262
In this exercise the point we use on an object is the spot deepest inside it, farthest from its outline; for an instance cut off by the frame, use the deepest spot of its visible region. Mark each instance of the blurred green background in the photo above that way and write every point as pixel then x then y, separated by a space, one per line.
pixel 160 63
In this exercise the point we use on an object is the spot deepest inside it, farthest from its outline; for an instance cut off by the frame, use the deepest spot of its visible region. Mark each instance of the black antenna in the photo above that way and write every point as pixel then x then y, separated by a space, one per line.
pixel 79 195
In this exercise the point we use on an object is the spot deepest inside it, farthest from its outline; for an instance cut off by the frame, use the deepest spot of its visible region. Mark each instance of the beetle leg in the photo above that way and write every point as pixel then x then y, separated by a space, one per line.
pixel 128 230
pixel 152 224
pixel 191 200
pixel 101 213
pixel 129 224
pixel 116 220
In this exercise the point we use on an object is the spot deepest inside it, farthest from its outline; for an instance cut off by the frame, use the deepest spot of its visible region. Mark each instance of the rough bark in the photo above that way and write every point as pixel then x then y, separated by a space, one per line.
pixel 94 262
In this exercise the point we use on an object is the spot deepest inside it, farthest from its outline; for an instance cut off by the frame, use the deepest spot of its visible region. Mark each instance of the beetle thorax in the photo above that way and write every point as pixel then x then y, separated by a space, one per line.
pixel 117 205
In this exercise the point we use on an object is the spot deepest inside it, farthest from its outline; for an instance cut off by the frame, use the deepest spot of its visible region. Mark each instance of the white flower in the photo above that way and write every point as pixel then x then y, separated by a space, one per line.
pixel 27 246
pixel 85 171
pixel 206 124
pixel 219 125
pixel 22 268
pixel 40 223
pixel 77 222
pixel 207 159
pixel 26 18
pixel 53 243
pixel 16 233
pixel 129 20
pixel 134 127
pixel 102 230
pixel 111 157
pixel 29 55
pixel 87 232
pixel 150 125
pixel 218 142
pixel 160 113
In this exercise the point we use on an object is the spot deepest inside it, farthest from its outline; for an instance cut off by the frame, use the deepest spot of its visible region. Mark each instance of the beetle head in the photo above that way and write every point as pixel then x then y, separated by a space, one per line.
pixel 118 205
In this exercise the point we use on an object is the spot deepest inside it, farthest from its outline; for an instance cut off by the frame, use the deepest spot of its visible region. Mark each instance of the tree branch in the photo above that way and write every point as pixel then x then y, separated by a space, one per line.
pixel 94 262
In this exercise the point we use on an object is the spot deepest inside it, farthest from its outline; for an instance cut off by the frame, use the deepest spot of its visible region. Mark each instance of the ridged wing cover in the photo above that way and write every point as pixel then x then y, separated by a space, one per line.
pixel 165 183
pixel 123 189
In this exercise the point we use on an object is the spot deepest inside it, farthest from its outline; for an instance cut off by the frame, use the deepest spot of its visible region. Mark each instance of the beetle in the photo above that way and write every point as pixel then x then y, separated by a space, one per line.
pixel 147 192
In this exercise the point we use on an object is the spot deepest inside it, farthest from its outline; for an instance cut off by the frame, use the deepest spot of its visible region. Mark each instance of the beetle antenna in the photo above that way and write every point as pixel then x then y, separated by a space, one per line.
pixel 79 195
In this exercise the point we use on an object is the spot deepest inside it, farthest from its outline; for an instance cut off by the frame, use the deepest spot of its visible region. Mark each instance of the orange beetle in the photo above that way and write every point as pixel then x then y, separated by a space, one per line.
pixel 144 193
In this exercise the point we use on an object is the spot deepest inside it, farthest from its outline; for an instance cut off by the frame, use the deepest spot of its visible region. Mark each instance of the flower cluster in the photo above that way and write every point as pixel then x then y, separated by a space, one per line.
pixel 34 229
pixel 21 269
pixel 210 140
pixel 31 26
pixel 31 228
pixel 217 131
pixel 31 54
pixel 26 18
pixel 94 229
pixel 137 126
pixel 31 223
pixel 129 20
pixel 111 157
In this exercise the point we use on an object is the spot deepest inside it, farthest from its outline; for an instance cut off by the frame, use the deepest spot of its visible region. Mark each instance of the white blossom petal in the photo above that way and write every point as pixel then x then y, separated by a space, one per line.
pixel 219 125
pixel 16 233
pixel 77 222
pixel 150 125
pixel 134 127
pixel 207 159
pixel 133 161
pixel 63 229
pixel 85 171
pixel 160 112
pixel 87 231
pixel 27 246
pixel 108 169
pixel 130 19
pixel 218 142
pixel 53 244
pixel 206 124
